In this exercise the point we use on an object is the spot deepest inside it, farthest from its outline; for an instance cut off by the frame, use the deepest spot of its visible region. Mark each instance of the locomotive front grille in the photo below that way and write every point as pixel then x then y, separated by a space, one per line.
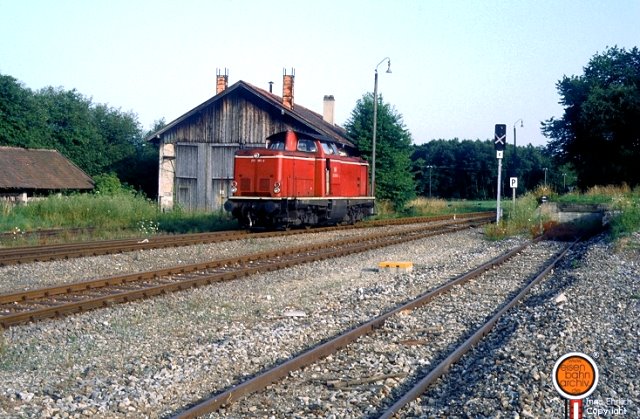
pixel 263 185
pixel 245 184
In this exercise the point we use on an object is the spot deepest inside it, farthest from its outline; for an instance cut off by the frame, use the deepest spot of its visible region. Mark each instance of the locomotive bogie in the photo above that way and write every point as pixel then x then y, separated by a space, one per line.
pixel 254 212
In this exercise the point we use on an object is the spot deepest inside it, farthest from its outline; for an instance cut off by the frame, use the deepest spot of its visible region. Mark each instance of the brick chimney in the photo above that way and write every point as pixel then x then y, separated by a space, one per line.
pixel 222 81
pixel 328 107
pixel 287 89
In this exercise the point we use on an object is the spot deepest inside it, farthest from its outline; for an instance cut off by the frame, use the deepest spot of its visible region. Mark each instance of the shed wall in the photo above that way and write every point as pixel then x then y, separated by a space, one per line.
pixel 205 144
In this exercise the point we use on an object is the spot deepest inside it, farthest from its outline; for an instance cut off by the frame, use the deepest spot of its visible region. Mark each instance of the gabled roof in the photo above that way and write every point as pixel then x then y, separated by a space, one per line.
pixel 22 169
pixel 311 119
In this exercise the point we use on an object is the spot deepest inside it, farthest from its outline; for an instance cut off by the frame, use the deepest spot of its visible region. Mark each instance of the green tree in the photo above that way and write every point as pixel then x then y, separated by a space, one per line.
pixel 394 180
pixel 22 121
pixel 72 130
pixel 599 132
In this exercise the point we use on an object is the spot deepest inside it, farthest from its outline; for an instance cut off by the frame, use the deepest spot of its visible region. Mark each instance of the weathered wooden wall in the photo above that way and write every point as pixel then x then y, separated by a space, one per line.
pixel 207 140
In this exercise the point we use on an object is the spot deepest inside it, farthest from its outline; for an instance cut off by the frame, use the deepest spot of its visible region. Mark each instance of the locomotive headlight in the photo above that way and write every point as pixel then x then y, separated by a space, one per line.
pixel 234 187
pixel 276 187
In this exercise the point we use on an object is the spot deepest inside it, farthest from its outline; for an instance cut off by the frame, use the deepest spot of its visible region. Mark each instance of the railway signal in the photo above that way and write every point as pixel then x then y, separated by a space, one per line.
pixel 499 141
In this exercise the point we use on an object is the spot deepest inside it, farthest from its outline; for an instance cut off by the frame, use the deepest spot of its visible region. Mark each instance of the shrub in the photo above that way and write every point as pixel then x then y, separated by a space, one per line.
pixel 627 219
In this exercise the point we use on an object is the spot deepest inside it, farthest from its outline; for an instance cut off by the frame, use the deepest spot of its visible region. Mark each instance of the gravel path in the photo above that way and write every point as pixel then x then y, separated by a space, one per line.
pixel 152 358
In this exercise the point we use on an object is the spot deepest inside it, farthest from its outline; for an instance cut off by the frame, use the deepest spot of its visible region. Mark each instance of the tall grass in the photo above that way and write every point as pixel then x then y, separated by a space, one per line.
pixel 523 218
pixel 627 214
pixel 597 195
pixel 121 214
pixel 526 217
pixel 425 207
pixel 105 212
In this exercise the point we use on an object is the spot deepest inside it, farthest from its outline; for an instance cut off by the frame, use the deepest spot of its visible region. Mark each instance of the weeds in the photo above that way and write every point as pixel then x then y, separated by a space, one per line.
pixel 148 227
pixel 526 215
pixel 123 214
pixel 523 218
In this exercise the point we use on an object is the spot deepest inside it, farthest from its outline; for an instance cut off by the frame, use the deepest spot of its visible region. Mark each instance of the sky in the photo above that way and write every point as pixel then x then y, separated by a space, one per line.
pixel 458 67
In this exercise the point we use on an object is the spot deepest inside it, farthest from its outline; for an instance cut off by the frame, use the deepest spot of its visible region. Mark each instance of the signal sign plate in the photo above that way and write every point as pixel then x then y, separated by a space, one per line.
pixel 500 140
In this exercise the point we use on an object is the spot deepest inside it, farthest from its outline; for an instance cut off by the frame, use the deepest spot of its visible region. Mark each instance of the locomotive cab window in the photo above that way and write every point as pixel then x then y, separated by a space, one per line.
pixel 329 148
pixel 276 145
pixel 308 146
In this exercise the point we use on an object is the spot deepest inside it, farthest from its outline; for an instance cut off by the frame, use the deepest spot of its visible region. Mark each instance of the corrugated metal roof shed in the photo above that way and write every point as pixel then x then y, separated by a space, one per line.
pixel 26 169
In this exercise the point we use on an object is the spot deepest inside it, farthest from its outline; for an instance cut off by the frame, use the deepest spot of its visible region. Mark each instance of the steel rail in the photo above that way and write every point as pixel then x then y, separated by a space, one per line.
pixel 266 378
pixel 272 261
pixel 440 369
pixel 183 269
pixel 27 254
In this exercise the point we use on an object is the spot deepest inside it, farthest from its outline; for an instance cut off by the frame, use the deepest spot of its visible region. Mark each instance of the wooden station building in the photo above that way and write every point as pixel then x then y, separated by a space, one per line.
pixel 197 149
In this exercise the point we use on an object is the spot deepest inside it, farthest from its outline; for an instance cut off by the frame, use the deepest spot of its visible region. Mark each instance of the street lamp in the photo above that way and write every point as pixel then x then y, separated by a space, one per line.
pixel 514 135
pixel 564 182
pixel 514 163
pixel 545 176
pixel 375 123
pixel 429 167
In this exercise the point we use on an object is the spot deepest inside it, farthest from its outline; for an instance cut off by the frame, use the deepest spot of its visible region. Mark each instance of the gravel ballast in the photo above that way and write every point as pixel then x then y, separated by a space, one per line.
pixel 153 358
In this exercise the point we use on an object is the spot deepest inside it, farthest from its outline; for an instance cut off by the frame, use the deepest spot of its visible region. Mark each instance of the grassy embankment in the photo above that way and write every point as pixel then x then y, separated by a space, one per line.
pixel 526 218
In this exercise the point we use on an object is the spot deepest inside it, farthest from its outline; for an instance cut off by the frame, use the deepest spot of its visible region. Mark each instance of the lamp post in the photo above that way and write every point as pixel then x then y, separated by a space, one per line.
pixel 514 163
pixel 564 182
pixel 375 123
pixel 545 176
pixel 515 150
pixel 429 167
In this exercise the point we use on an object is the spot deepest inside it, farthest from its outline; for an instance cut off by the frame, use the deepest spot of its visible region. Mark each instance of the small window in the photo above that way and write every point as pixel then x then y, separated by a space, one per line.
pixel 276 145
pixel 329 148
pixel 307 146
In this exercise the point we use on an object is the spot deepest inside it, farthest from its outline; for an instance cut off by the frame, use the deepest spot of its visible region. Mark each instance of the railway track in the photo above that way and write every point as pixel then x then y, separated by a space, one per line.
pixel 28 254
pixel 36 304
pixel 406 332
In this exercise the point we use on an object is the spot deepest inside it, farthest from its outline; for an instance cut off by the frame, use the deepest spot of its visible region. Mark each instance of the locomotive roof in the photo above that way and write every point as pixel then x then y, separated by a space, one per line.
pixel 315 123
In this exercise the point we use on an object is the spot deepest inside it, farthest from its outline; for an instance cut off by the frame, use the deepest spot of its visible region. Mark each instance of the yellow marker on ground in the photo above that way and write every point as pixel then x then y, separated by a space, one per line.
pixel 399 266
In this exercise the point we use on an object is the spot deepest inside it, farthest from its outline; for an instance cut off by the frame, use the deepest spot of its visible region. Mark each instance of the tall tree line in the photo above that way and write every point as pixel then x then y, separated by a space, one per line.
pixel 97 138
pixel 468 169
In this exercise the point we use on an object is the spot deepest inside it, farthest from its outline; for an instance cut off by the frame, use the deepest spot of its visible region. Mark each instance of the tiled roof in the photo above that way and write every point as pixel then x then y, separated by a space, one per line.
pixel 39 169
pixel 312 119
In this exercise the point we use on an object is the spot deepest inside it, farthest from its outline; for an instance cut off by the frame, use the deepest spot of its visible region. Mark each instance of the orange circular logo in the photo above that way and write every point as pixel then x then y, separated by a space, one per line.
pixel 575 375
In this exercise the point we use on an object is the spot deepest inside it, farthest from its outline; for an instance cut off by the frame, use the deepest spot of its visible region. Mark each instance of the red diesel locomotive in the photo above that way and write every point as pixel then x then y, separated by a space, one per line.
pixel 298 180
